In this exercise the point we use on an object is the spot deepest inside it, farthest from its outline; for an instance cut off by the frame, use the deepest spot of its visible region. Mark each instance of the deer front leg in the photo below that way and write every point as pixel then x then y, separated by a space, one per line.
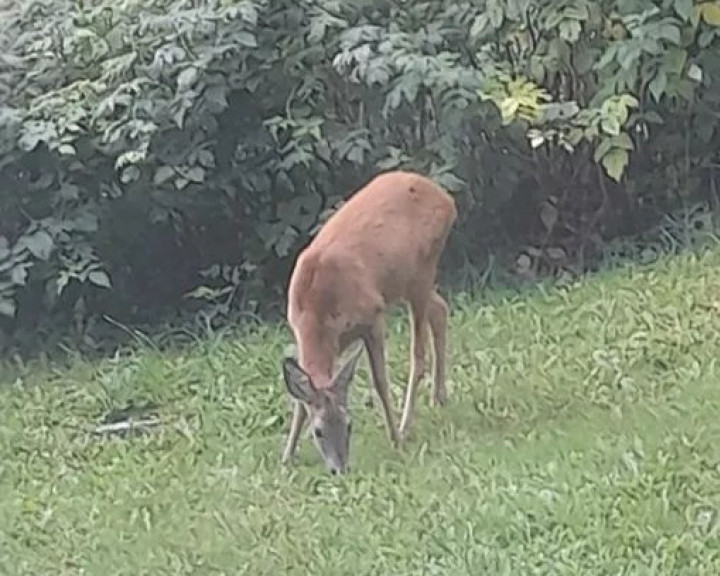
pixel 375 344
pixel 298 420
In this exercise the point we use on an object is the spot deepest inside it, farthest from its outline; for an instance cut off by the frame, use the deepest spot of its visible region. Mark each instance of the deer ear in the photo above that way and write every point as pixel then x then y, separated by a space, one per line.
pixel 297 382
pixel 347 372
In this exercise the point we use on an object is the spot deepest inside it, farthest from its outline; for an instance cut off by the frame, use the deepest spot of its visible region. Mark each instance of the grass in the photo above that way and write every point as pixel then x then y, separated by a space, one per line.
pixel 581 438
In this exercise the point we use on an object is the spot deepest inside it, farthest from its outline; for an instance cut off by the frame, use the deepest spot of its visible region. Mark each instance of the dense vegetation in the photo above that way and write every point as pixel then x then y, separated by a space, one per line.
pixel 580 438
pixel 157 153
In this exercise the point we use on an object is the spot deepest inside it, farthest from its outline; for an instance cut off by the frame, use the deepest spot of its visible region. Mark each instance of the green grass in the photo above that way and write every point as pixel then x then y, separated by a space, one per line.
pixel 582 437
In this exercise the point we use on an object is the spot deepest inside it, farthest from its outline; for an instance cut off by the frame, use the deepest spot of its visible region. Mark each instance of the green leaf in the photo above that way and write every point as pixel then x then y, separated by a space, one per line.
pixel 675 60
pixel 560 110
pixel 196 174
pixel 628 55
pixel 615 163
pixel 356 155
pixel 179 116
pixel 695 73
pixel 671 33
pixel 318 27
pixel 85 222
pixel 537 69
pixel 449 181
pixel 575 135
pixel 34 132
pixel 508 108
pixel 163 174
pixel 18 275
pixel 480 26
pixel 629 101
pixel 610 125
pixel 623 141
pixel 706 38
pixel 245 38
pixel 684 9
pixel 130 157
pixel 285 242
pixel 206 158
pixel 536 138
pixel 99 278
pixel 710 13
pixel 216 98
pixel 495 11
pixel 658 84
pixel 203 293
pixel 608 57
pixel 62 280
pixel 130 174
pixel 7 307
pixel 578 12
pixel 602 149
pixel 187 78
pixel 40 244
pixel 570 30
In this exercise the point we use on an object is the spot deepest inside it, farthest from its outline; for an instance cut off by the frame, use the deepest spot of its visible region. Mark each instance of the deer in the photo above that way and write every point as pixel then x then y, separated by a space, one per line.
pixel 381 247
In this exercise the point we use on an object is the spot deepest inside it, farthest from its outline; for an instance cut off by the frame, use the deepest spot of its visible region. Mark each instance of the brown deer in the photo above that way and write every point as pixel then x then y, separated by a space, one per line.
pixel 381 247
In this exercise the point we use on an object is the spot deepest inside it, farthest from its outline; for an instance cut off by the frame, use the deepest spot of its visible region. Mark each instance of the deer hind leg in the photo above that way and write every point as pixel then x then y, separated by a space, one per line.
pixel 438 319
pixel 419 338
pixel 298 420
pixel 375 345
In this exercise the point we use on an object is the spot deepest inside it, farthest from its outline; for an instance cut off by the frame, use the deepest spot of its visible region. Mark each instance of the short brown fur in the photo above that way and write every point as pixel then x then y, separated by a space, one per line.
pixel 381 247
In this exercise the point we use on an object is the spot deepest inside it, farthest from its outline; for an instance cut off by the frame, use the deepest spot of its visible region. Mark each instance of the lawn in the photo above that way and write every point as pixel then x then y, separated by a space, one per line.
pixel 582 437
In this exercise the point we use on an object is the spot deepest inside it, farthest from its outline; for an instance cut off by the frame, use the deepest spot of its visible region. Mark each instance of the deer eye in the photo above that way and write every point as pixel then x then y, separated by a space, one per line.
pixel 317 432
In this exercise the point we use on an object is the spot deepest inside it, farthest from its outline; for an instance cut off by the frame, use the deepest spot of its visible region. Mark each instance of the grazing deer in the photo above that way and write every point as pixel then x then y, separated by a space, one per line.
pixel 382 246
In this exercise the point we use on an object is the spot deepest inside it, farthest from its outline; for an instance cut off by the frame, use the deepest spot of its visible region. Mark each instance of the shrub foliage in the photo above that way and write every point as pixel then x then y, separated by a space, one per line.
pixel 155 150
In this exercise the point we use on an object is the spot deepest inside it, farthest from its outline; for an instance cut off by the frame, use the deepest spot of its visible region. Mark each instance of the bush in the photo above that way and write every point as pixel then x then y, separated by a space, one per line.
pixel 159 150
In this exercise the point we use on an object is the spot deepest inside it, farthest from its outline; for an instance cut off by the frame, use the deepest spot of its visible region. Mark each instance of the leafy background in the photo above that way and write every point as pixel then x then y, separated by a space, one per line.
pixel 167 158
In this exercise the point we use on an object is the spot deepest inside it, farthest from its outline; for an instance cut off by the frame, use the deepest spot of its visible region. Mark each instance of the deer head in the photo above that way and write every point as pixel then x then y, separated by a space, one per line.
pixel 329 419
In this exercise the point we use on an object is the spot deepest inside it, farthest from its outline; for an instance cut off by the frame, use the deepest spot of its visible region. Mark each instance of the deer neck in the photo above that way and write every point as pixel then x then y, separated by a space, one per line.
pixel 317 359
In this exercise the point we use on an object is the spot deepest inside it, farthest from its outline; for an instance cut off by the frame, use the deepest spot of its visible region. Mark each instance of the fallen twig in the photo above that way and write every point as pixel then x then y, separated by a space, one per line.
pixel 127 425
